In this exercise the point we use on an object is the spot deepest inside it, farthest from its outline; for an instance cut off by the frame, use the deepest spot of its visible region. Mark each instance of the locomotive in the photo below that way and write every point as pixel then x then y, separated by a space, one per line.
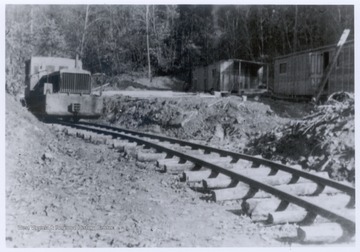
pixel 59 88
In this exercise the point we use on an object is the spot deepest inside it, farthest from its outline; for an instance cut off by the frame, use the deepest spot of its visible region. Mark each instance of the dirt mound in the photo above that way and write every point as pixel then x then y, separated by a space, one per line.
pixel 137 81
pixel 323 140
pixel 62 191
pixel 227 120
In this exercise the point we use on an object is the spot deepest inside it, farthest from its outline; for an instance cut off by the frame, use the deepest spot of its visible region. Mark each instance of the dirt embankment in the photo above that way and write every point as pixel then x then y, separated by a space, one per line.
pixel 64 192
pixel 317 138
pixel 218 121
pixel 55 180
pixel 137 81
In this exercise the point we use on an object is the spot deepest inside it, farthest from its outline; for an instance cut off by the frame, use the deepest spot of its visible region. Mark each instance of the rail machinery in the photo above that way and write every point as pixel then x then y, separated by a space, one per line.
pixel 60 88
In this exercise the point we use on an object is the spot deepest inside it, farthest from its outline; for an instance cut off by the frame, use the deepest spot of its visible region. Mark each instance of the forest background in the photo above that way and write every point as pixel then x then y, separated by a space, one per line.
pixel 118 39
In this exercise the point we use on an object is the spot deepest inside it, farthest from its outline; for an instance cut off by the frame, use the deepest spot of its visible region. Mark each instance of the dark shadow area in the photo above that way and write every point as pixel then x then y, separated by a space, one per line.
pixel 288 109
pixel 236 211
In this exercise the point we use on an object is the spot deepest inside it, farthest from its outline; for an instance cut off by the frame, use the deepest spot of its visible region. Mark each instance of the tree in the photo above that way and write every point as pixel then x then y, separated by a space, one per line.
pixel 148 42
pixel 116 39
pixel 50 41
pixel 19 45
pixel 84 32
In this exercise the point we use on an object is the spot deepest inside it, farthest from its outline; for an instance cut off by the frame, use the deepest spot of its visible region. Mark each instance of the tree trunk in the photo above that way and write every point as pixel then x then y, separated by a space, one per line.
pixel 31 20
pixel 295 29
pixel 148 42
pixel 85 26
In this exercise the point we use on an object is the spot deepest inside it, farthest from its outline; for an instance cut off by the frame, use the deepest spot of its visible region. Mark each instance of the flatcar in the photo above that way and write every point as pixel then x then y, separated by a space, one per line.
pixel 60 88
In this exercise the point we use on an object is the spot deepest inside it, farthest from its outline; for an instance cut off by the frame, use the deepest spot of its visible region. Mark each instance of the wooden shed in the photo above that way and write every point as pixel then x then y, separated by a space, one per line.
pixel 233 75
pixel 299 74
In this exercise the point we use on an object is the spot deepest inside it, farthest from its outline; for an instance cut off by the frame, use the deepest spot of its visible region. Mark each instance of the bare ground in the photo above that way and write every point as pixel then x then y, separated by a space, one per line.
pixel 64 192
pixel 316 137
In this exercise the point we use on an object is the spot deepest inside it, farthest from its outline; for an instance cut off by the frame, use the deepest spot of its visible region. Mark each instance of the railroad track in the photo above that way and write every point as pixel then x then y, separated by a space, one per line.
pixel 270 192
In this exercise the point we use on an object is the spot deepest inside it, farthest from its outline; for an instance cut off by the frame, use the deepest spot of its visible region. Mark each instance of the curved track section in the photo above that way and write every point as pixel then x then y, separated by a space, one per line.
pixel 239 177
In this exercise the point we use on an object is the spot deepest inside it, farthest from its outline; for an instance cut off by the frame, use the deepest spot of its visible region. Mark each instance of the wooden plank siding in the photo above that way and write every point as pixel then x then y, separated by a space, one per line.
pixel 342 77
pixel 230 75
pixel 299 74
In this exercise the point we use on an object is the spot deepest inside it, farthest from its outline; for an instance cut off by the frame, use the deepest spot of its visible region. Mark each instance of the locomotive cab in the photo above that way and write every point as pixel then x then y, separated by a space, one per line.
pixel 59 87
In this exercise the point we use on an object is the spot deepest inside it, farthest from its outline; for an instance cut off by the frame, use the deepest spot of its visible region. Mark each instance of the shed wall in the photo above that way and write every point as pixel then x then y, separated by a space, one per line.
pixel 342 76
pixel 230 75
pixel 304 71
pixel 206 78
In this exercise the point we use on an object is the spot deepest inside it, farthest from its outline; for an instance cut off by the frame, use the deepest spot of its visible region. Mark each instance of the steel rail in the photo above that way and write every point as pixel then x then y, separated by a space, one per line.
pixel 237 156
pixel 346 223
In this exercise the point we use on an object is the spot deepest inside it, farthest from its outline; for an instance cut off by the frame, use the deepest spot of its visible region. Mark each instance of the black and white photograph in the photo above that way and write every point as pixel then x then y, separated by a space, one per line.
pixel 179 125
